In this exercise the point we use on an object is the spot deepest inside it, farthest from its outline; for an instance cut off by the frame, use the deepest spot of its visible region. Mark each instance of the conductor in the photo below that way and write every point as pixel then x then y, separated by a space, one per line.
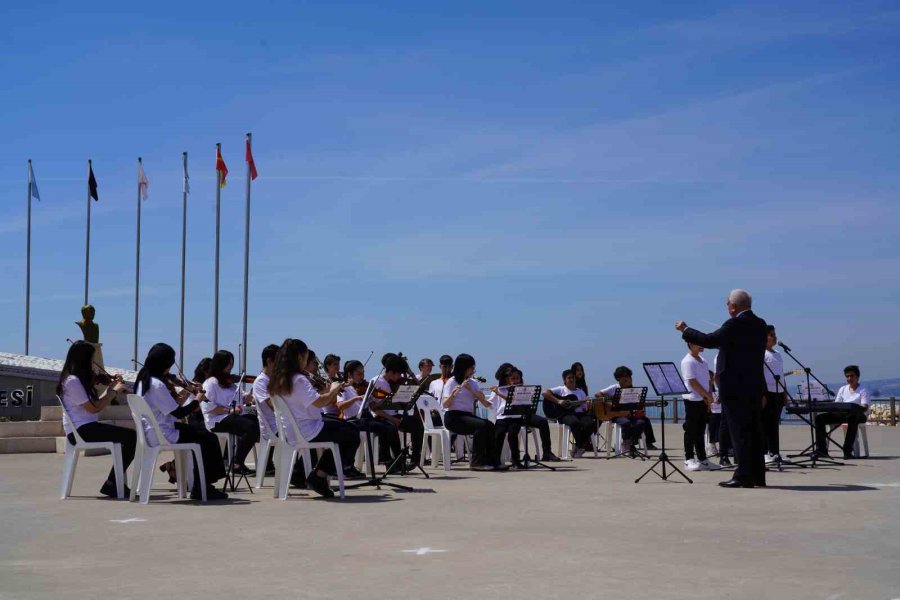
pixel 741 341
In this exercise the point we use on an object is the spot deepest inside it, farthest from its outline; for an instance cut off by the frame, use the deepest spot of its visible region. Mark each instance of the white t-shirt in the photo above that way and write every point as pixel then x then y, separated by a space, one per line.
pixel 697 369
pixel 162 404
pixel 464 400
pixel 775 362
pixel 563 391
pixel 218 396
pixel 300 402
pixel 351 411
pixel 73 398
pixel 860 396
pixel 382 384
pixel 260 395
pixel 436 388
pixel 499 403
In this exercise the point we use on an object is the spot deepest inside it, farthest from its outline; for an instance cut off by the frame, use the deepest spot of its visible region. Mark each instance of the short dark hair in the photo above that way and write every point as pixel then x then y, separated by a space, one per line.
pixel 446 359
pixel 568 373
pixel 332 359
pixel 386 358
pixel 395 364
pixel 851 369
pixel 269 353
pixel 770 329
pixel 350 366
pixel 621 372
pixel 426 361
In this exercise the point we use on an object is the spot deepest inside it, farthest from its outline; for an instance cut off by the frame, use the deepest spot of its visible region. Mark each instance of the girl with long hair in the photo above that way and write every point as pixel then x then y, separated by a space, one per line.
pixel 223 411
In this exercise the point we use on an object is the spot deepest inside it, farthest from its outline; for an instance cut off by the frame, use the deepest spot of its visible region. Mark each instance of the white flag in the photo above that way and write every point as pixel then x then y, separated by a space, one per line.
pixel 143 182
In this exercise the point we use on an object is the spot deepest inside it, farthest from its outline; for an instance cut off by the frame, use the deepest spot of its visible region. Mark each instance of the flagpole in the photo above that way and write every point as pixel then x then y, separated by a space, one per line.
pixel 184 159
pixel 87 240
pixel 28 265
pixel 246 259
pixel 216 292
pixel 137 265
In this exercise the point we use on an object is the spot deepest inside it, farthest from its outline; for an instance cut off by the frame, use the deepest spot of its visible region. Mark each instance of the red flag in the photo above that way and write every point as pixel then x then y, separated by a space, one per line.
pixel 220 167
pixel 253 174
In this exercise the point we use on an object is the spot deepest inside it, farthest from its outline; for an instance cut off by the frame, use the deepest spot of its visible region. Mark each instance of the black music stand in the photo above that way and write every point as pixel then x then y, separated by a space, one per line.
pixel 373 479
pixel 404 407
pixel 522 401
pixel 666 381
pixel 636 400
pixel 232 445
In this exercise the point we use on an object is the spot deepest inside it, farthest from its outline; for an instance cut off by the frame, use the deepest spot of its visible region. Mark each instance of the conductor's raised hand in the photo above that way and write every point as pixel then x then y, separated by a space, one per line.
pixel 680 325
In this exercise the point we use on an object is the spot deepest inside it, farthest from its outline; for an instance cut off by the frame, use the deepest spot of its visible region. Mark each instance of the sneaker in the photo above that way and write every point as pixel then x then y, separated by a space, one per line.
pixel 579 452
pixel 109 489
pixel 705 465
pixel 319 485
pixel 769 458
pixel 724 462
pixel 692 464
pixel 550 457
pixel 711 450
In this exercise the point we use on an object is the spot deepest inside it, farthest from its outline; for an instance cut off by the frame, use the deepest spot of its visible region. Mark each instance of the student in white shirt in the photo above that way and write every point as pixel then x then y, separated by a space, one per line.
pixel 460 396
pixel 425 367
pixel 78 395
pixel 223 411
pixel 637 423
pixel 392 421
pixel 436 387
pixel 350 404
pixel 581 423
pixel 775 392
pixel 168 407
pixel 264 409
pixel 696 374
pixel 508 426
pixel 852 393
pixel 332 366
pixel 718 425
pixel 290 381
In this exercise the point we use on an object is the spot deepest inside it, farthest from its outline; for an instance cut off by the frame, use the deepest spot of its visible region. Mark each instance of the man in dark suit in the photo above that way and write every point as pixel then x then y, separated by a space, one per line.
pixel 742 384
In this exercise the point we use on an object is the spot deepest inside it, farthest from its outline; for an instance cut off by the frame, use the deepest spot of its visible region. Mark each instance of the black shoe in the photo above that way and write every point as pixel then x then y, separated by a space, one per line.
pixel 499 467
pixel 353 473
pixel 480 467
pixel 319 485
pixel 759 483
pixel 724 462
pixel 735 483
pixel 822 454
pixel 211 494
pixel 243 470
pixel 550 457
pixel 270 470
pixel 109 489
pixel 298 480
pixel 652 447
pixel 169 468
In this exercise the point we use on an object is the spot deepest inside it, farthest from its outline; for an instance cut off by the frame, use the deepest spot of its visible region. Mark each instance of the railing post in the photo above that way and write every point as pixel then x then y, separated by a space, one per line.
pixel 893 411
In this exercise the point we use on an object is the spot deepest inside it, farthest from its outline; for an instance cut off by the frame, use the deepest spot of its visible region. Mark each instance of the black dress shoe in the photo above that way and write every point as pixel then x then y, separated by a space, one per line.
pixel 760 483
pixel 735 483
pixel 319 485
pixel 211 494
pixel 109 489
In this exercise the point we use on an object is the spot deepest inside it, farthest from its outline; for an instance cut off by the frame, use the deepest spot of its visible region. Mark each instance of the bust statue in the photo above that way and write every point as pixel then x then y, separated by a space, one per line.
pixel 90 331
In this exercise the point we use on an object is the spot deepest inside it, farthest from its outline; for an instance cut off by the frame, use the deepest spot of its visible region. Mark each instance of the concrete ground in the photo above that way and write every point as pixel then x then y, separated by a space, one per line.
pixel 585 531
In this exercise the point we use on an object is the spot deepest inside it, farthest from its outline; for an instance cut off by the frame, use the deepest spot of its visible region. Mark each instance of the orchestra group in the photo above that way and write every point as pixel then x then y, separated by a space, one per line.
pixel 334 404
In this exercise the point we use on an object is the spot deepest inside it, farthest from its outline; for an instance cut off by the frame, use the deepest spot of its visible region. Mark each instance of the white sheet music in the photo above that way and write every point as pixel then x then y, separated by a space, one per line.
pixel 522 395
pixel 404 394
pixel 815 388
pixel 631 395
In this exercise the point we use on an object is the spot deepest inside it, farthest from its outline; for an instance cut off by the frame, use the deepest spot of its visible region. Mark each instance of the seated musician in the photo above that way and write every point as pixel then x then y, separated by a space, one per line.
pixel 223 410
pixel 460 395
pixel 168 406
pixel 260 391
pixel 508 426
pixel 632 425
pixel 350 402
pixel 436 387
pixel 425 367
pixel 395 371
pixel 579 421
pixel 78 395
pixel 852 393
pixel 290 381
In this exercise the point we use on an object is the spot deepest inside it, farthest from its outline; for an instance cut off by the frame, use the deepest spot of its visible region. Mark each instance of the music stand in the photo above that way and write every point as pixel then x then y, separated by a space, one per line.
pixel 373 479
pixel 522 401
pixel 666 381
pixel 403 400
pixel 232 445
pixel 631 399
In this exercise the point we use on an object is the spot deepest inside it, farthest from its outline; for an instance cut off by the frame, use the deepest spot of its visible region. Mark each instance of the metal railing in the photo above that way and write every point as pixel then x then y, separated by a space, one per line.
pixel 884 412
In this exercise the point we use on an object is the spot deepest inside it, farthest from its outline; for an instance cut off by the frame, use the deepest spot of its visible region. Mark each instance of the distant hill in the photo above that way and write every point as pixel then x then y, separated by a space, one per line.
pixel 880 388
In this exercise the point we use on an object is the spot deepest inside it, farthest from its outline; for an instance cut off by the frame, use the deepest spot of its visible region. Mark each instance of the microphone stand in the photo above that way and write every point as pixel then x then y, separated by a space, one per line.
pixel 780 463
pixel 813 456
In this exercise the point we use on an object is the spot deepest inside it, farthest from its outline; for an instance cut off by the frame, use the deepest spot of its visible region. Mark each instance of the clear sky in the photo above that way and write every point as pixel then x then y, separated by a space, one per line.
pixel 531 182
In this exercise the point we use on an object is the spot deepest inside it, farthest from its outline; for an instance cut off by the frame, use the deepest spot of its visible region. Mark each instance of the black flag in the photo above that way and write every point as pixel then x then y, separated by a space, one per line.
pixel 92 185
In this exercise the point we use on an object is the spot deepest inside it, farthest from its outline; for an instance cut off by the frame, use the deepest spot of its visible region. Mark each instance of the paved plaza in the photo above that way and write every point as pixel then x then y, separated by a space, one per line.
pixel 585 531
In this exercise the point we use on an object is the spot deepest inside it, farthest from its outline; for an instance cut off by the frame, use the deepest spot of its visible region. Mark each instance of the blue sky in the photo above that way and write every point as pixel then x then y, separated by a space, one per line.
pixel 532 182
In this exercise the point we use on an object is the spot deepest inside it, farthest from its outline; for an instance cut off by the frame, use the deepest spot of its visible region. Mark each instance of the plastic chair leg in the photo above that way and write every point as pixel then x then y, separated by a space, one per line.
pixel 136 468
pixel 264 447
pixel 147 468
pixel 69 463
pixel 338 467
pixel 198 456
pixel 445 451
pixel 119 471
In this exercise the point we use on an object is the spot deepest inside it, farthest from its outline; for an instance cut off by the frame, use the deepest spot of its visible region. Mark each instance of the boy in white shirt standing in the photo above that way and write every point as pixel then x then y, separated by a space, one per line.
pixel 696 375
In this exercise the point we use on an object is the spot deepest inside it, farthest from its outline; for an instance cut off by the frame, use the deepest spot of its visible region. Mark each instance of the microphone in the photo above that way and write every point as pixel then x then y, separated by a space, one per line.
pixel 783 345
pixel 70 341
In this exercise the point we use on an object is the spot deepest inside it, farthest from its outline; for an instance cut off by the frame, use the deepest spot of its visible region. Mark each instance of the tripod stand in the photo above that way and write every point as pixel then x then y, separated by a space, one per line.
pixel 666 381
pixel 522 401
pixel 780 463
pixel 230 474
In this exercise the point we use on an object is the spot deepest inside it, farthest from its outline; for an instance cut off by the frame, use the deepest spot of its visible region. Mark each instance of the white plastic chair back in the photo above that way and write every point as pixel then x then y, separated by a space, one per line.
pixel 141 413
pixel 70 460
pixel 439 434
pixel 426 404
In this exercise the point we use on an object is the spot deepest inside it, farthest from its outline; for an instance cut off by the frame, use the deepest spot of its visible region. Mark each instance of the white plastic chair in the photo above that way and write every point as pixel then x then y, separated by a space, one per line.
pixel 267 441
pixel 146 455
pixel 286 451
pixel 861 435
pixel 617 441
pixel 439 435
pixel 73 451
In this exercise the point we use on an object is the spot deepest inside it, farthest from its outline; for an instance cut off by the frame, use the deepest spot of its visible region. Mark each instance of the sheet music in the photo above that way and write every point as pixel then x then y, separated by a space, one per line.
pixel 522 395
pixel 631 395
pixel 404 394
pixel 815 388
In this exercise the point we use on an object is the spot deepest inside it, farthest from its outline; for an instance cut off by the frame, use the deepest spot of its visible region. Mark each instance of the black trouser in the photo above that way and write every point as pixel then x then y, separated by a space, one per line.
pixel 482 430
pixel 632 428
pixel 718 432
pixel 694 426
pixel 213 466
pixel 101 432
pixel 744 417
pixel 648 430
pixel 771 417
pixel 345 435
pixel 388 436
pixel 824 419
pixel 582 426
pixel 415 429
pixel 508 430
pixel 246 428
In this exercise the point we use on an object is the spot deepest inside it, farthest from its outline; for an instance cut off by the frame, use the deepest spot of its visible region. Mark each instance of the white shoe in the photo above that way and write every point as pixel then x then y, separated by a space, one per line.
pixel 770 459
pixel 711 450
pixel 705 465
pixel 692 464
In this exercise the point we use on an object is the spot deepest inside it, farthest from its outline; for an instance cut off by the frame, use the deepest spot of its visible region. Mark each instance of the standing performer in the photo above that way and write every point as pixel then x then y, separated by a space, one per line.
pixel 742 347
pixel 168 406
pixel 718 426
pixel 290 381
pixel 83 405
pixel 223 412
pixel 577 419
pixel 852 393
pixel 775 393
pixel 696 374
pixel 460 396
